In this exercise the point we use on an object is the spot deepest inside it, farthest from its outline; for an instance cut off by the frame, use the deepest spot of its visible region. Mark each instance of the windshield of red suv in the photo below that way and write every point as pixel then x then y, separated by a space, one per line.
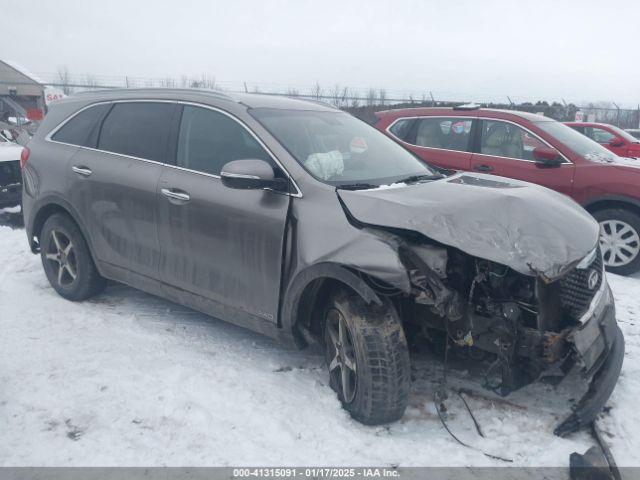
pixel 577 142
pixel 339 149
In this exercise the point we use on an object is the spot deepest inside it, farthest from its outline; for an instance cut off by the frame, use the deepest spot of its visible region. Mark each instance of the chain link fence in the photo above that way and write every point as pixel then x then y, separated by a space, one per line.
pixel 361 102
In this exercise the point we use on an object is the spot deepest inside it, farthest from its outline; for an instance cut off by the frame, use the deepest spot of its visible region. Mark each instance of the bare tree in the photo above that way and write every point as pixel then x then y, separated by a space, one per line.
pixel 293 92
pixel 64 79
pixel 372 97
pixel 91 81
pixel 316 91
pixel 335 94
pixel 382 95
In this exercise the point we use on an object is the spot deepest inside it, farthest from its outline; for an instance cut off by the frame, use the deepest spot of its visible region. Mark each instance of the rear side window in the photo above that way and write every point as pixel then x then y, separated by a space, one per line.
pixel 138 129
pixel 82 129
pixel 209 139
pixel 444 133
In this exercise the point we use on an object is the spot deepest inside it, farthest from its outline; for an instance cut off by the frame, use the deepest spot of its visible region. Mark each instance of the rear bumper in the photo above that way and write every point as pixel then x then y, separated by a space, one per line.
pixel 599 347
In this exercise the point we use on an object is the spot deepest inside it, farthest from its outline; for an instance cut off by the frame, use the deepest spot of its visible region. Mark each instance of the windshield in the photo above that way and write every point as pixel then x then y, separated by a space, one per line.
pixel 576 141
pixel 625 135
pixel 339 149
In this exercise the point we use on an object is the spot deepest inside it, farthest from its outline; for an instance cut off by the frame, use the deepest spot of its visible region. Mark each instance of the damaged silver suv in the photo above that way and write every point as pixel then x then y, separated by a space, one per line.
pixel 300 222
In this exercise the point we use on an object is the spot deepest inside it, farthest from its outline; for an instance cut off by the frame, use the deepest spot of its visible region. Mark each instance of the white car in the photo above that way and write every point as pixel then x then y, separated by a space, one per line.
pixel 10 175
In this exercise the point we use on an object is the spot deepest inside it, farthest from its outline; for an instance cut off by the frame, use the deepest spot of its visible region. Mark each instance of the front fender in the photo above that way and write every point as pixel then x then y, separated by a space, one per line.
pixel 291 304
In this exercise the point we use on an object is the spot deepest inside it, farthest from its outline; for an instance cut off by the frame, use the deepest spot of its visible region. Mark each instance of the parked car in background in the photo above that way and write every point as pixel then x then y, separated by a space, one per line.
pixel 303 223
pixel 617 140
pixel 634 131
pixel 10 176
pixel 536 149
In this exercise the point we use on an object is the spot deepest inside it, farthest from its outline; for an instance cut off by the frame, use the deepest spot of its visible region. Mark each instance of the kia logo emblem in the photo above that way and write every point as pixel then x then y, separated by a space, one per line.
pixel 594 278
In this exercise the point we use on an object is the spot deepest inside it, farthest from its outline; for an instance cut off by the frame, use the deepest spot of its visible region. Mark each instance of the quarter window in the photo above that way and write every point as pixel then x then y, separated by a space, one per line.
pixel 502 139
pixel 444 133
pixel 138 129
pixel 209 139
pixel 402 128
pixel 82 129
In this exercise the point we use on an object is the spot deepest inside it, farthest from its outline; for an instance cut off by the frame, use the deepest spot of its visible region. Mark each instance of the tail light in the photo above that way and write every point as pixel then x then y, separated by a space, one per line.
pixel 24 156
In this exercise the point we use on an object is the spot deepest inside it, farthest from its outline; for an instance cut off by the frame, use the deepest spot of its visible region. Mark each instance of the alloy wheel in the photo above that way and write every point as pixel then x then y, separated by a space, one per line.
pixel 61 254
pixel 619 241
pixel 341 355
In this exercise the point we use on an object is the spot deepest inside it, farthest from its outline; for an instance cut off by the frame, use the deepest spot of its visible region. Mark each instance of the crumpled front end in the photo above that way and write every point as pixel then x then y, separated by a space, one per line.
pixel 521 328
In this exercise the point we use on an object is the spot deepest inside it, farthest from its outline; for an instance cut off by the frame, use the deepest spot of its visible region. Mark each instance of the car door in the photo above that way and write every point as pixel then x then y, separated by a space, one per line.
pixel 442 141
pixel 222 244
pixel 603 136
pixel 114 185
pixel 506 149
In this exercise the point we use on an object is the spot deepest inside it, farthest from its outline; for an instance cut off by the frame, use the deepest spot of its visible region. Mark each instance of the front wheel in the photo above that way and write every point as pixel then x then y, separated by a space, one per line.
pixel 619 240
pixel 367 357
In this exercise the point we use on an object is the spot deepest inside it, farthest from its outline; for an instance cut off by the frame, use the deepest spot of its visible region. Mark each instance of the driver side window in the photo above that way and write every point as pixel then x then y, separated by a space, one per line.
pixel 601 135
pixel 503 139
pixel 209 139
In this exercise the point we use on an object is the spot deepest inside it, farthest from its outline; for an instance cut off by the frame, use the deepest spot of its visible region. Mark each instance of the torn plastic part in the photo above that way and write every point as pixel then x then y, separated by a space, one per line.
pixel 427 267
pixel 600 389
pixel 533 230
pixel 325 165
pixel 591 465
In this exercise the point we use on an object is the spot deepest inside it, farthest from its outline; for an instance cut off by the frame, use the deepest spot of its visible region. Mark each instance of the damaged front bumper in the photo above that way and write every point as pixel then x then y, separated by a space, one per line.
pixel 599 350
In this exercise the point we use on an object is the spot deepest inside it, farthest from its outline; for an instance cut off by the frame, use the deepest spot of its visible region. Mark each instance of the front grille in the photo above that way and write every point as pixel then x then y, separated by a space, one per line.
pixel 576 293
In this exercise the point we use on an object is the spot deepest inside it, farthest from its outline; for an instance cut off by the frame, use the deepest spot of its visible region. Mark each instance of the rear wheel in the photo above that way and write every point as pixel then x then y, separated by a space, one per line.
pixel 619 240
pixel 367 357
pixel 67 261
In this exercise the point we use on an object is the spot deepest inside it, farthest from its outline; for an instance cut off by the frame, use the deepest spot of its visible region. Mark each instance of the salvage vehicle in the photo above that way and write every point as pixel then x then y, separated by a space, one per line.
pixel 615 139
pixel 536 149
pixel 300 222
pixel 10 176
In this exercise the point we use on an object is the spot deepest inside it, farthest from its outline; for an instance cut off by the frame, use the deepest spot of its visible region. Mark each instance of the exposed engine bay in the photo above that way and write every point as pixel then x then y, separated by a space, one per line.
pixel 520 325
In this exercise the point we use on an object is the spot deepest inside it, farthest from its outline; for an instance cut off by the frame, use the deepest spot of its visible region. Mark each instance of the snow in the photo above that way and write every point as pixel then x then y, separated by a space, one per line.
pixel 24 71
pixel 130 379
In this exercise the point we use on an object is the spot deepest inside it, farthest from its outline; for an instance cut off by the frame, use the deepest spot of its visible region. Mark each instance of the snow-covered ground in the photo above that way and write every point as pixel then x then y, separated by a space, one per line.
pixel 129 379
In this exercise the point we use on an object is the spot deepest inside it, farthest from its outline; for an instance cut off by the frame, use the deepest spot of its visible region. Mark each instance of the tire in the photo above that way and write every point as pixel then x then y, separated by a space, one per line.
pixel 620 218
pixel 70 270
pixel 374 341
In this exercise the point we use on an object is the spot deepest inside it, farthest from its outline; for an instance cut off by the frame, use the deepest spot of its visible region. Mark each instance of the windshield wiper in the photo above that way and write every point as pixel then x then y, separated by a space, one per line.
pixel 418 178
pixel 356 186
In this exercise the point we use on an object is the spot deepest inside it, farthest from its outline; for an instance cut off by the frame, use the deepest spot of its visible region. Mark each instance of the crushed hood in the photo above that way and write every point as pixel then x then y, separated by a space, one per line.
pixel 529 228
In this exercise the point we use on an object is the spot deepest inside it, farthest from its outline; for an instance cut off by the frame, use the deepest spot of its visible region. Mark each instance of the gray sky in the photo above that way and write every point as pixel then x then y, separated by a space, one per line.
pixel 459 49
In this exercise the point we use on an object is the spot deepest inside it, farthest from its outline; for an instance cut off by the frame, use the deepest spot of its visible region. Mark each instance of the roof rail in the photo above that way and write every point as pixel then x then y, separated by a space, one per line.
pixel 216 93
pixel 467 106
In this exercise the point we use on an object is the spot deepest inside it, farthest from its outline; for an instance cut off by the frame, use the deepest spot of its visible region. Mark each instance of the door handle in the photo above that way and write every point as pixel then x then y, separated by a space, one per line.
pixel 481 167
pixel 174 194
pixel 82 170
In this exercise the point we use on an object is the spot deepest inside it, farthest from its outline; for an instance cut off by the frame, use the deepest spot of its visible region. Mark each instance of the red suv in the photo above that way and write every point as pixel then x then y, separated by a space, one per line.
pixel 610 137
pixel 536 149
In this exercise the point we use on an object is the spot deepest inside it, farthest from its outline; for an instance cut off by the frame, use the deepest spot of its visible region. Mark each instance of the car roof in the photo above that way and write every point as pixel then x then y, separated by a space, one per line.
pixel 450 111
pixel 589 124
pixel 249 100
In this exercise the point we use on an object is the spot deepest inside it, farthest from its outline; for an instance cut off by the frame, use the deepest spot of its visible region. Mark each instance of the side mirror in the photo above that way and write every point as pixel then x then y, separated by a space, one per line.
pixel 616 142
pixel 251 175
pixel 547 156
